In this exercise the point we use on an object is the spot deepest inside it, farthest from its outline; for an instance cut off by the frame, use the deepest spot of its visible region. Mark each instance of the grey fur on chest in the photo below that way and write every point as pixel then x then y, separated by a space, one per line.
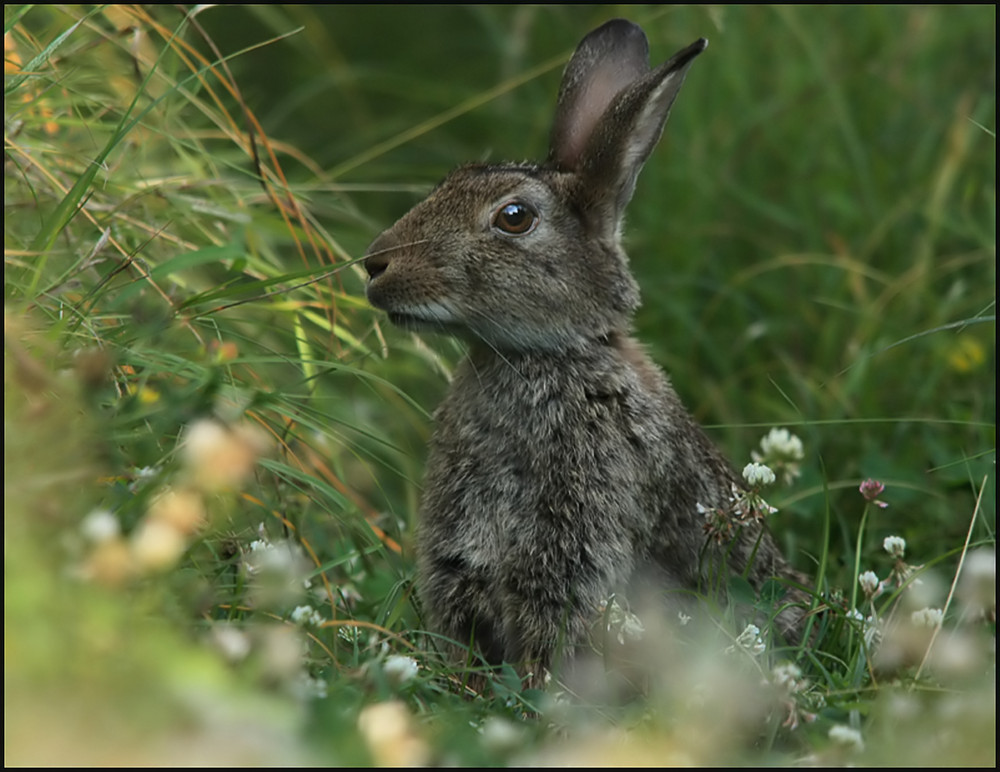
pixel 546 442
pixel 536 493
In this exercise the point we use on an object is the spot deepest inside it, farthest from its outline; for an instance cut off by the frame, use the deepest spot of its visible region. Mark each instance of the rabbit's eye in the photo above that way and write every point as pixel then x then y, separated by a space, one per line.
pixel 515 218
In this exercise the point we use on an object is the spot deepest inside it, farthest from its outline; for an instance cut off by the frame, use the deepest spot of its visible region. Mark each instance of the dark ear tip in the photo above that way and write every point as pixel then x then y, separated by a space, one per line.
pixel 694 49
pixel 684 57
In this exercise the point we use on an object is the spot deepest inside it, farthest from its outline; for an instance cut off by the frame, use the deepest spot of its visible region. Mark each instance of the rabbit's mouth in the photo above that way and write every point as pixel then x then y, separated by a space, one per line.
pixel 429 320
pixel 410 321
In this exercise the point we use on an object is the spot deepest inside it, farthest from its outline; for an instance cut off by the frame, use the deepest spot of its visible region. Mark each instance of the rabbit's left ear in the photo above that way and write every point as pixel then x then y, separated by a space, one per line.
pixel 611 111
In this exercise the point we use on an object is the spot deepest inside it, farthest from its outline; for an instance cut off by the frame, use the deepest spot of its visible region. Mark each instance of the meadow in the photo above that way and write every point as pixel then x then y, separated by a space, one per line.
pixel 214 445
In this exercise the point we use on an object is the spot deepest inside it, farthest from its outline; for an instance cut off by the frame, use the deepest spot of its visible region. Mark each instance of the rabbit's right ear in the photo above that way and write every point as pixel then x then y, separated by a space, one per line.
pixel 611 112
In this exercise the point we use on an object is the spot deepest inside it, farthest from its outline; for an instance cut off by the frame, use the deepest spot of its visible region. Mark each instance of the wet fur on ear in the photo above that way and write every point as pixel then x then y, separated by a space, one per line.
pixel 611 112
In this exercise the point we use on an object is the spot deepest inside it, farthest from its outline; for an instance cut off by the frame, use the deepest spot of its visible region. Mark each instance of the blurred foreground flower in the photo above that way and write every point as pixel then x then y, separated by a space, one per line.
pixel 847 738
pixel 110 563
pixel 787 676
pixel 216 458
pixel 157 545
pixel 621 621
pixel 399 669
pixel 179 508
pixel 388 731
pixel 277 571
pixel 927 617
pixel 868 625
pixel 977 587
pixel 952 655
pixel 173 517
pixel 219 457
pixel 499 735
pixel 306 616
pixel 99 526
pixel 229 639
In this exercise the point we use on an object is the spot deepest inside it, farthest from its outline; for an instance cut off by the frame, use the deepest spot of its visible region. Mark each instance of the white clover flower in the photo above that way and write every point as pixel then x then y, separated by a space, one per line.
pixel 265 556
pixel 750 631
pixel 894 545
pixel 787 677
pixel 756 506
pixel 500 735
pixel 927 617
pixel 758 474
pixel 781 442
pixel 231 641
pixel 277 572
pixel 783 452
pixel 869 583
pixel 632 629
pixel 847 737
pixel 749 640
pixel 99 526
pixel 306 616
pixel 626 624
pixel 142 475
pixel 399 669
pixel 870 628
pixel 305 687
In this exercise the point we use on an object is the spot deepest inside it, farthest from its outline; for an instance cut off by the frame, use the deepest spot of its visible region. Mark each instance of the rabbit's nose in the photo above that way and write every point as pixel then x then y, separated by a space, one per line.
pixel 376 263
pixel 380 254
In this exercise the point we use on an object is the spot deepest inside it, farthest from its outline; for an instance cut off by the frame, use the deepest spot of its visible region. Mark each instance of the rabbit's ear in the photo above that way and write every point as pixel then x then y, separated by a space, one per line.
pixel 611 112
pixel 609 59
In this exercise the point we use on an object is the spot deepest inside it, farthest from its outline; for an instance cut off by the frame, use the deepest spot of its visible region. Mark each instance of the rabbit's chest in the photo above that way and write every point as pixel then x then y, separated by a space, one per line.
pixel 510 467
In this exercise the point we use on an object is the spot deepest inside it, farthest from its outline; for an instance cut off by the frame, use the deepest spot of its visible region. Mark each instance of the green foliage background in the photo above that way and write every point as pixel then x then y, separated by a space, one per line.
pixel 185 200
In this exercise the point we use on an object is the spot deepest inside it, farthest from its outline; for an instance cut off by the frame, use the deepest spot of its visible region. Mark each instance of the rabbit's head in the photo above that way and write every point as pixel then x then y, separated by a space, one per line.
pixel 528 257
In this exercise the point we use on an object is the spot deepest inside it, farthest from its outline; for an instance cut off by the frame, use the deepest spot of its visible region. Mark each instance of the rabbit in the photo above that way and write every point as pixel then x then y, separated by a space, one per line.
pixel 563 467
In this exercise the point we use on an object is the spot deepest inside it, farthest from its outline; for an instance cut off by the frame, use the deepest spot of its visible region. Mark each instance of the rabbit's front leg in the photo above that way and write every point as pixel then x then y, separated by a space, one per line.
pixel 552 591
pixel 460 597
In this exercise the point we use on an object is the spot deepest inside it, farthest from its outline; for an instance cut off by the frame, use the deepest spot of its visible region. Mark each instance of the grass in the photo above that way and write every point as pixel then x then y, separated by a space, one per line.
pixel 199 404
